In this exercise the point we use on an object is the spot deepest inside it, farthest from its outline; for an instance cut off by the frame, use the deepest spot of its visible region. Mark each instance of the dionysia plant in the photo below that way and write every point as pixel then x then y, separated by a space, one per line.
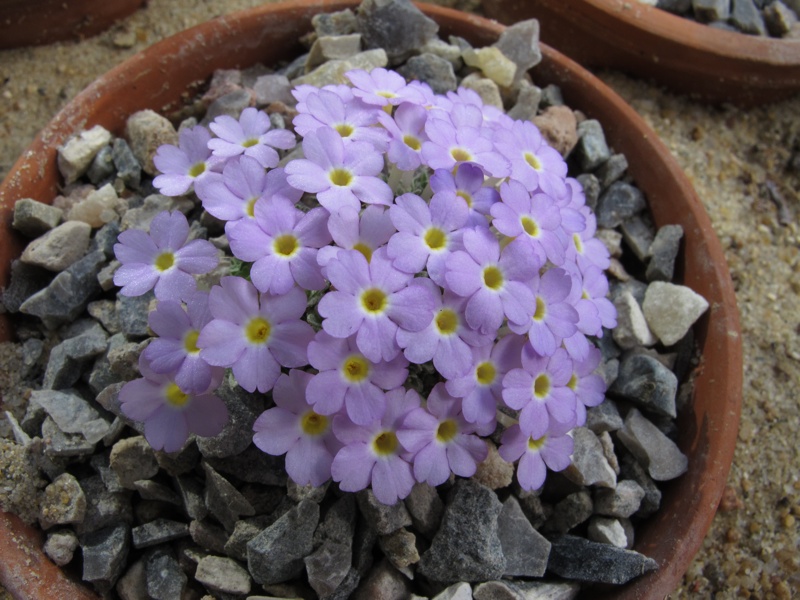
pixel 424 265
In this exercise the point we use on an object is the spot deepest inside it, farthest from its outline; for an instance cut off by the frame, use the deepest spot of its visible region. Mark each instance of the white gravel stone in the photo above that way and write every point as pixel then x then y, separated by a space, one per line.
pixel 97 209
pixel 632 329
pixel 607 531
pixel 77 154
pixel 58 248
pixel 670 310
pixel 457 591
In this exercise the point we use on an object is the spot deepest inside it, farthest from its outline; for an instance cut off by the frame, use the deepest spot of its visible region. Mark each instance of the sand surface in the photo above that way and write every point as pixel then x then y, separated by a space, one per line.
pixel 729 154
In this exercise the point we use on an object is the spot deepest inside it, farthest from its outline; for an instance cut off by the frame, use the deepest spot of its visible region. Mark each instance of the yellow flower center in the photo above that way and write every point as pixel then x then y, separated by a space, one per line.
pixel 485 373
pixel 412 142
pixel 286 245
pixel 446 321
pixel 344 129
pixel 467 197
pixel 460 155
pixel 435 238
pixel 176 397
pixel 536 444
pixel 250 207
pixel 541 386
pixel 164 261
pixel 493 278
pixel 530 226
pixel 532 160
pixel 355 368
pixel 576 239
pixel 385 443
pixel 386 94
pixel 190 342
pixel 373 300
pixel 313 424
pixel 197 169
pixel 541 309
pixel 257 330
pixel 340 177
pixel 365 250
pixel 446 431
pixel 573 382
pixel 250 143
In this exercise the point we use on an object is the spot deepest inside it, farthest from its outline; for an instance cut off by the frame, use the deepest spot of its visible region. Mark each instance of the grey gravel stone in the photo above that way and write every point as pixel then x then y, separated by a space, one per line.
pixel 457 591
pixel 133 584
pixel 678 7
pixel 25 281
pixel 190 491
pixel 339 524
pixel 663 252
pixel 638 234
pixel 607 531
pixel 209 536
pixel 243 409
pixel 497 590
pixel 69 359
pixel 527 104
pixel 158 532
pixel 220 574
pixel 425 508
pixel 746 17
pixel 223 500
pixel 273 88
pixel 384 518
pixel 60 546
pixel 467 546
pixel 34 218
pixel 400 547
pixel 655 451
pixel 252 465
pixel 59 247
pixel 333 47
pixel 69 411
pixel 707 11
pixel 631 469
pixel 570 512
pixel 104 555
pixel 342 22
pixel 63 502
pixel 520 43
pixel 646 382
pixel 552 96
pixel 141 216
pixel 132 312
pixel 589 466
pixel 75 156
pixel 670 310
pixel 165 578
pixel 592 149
pixel 128 168
pixel 632 329
pixel 146 130
pixel 231 104
pixel 133 459
pixel 327 567
pixel 431 69
pixel 397 26
pixel 583 560
pixel 383 583
pixel 603 417
pixel 332 72
pixel 622 502
pixel 618 203
pixel 779 18
pixel 276 554
pixel 525 549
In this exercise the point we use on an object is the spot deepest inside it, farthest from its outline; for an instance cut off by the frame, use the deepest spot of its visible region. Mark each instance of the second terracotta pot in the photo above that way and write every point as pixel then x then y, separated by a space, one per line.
pixel 270 33
pixel 709 64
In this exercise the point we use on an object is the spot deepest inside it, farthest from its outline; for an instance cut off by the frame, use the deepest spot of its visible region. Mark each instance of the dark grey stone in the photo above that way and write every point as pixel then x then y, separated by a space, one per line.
pixel 647 383
pixel 527 104
pixel 132 313
pixel 102 167
pixel 165 578
pixel 244 531
pixel 397 26
pixel 570 512
pixel 103 507
pixel 328 566
pixel 638 235
pixel 525 549
pixel 603 417
pixel 33 218
pixel 621 502
pixel 425 508
pixel 520 43
pixel 592 149
pixel 576 558
pixel 619 203
pixel 276 554
pixel 105 238
pixel 467 546
pixel 339 524
pixel 655 451
pixel 431 69
pixel 747 18
pixel 243 410
pixel 663 252
pixel 152 490
pixel 253 466
pixel 385 519
pixel 551 96
pixel 208 536
pixel 158 532
pixel 631 469
pixel 105 553
pixel 67 408
pixel 273 88
pixel 779 19
pixel 384 583
pixel 707 11
pixel 190 490
pixel 67 295
pixel 591 188
pixel 231 104
pixel 69 359
pixel 223 500
pixel 612 170
pixel 25 281
pixel 128 168
pixel 342 22
pixel 58 443
pixel 678 7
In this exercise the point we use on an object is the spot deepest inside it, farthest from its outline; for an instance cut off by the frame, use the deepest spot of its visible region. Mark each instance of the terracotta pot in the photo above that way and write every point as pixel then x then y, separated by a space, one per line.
pixel 33 22
pixel 710 64
pixel 270 33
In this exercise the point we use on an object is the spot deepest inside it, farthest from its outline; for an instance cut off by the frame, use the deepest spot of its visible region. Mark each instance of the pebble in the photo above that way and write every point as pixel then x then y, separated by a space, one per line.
pixel 103 507
pixel 559 128
pixel 25 281
pixel 527 103
pixel 69 359
pixel 133 584
pixel 342 22
pixel 655 451
pixel 494 472
pixel 779 19
pixel 60 546
pixel 618 203
pixel 675 6
pixel 190 491
pixel 382 517
pixel 492 63
pixel 230 104
pixel 611 170
pixel 221 574
pixel 496 590
pixel 75 156
pixel 671 310
pixel 457 591
pixel 33 218
pixel 396 26
pixel 524 548
pixel 129 170
pixel 631 469
pixel 104 555
pixel 273 88
pixel 622 502
pixel 638 235
pixel 69 411
pixel 328 566
pixel 253 466
pixel 434 70
pixel 707 11
pixel 426 509
pixel 145 131
pixel 334 47
pixel 589 465
pixel 158 531
pixel 223 500
pixel 400 547
pixel 663 252
pixel 133 459
pixel 243 410
pixel 332 72
pixel 467 546
pixel 63 502
pixel 544 590
pixel 592 148
pixel 102 167
pixel 607 531
pixel 603 417
pixel 165 578
pixel 449 52
pixel 746 17
pixel 583 560
pixel 140 217
pixel 211 537
pixel 58 248
pixel 520 43
pixel 632 329
pixel 570 512
pixel 276 554
pixel 383 583
pixel 98 208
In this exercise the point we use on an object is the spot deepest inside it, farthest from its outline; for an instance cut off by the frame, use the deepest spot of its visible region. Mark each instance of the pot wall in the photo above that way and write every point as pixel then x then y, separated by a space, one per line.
pixel 269 33
pixel 710 64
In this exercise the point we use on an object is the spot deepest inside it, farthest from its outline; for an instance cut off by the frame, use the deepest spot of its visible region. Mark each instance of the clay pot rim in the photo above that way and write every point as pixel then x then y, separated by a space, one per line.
pixel 35 171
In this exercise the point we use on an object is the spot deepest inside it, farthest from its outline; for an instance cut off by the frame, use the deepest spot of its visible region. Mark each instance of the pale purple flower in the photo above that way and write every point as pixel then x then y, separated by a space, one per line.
pixel 456 138
pixel 341 175
pixel 162 259
pixel 351 119
pixel 447 339
pixel 303 91
pixel 346 377
pixel 373 454
pixel 366 233
pixel 589 387
pixel 466 186
pixel 282 243
pixel 535 455
pixel 373 300
pixel 249 135
pixel 182 165
pixel 554 317
pixel 533 218
pixel 293 428
pixel 407 134
pixel 590 322
pixel 426 234
pixel 232 194
pixel 493 281
pixel 533 163
pixel 255 334
pixel 482 387
pixel 441 440
pixel 175 349
pixel 380 87
pixel 585 249
pixel 169 414
pixel 539 390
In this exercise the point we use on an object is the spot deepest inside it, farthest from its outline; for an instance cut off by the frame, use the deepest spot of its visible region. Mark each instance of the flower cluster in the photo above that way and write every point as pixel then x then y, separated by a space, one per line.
pixel 445 243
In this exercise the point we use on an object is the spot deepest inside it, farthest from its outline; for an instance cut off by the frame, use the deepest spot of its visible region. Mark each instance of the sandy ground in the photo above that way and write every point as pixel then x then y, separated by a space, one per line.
pixel 728 154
